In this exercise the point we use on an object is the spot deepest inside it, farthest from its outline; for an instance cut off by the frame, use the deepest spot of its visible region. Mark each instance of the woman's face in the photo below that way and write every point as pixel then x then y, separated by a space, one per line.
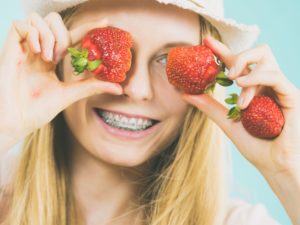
pixel 147 94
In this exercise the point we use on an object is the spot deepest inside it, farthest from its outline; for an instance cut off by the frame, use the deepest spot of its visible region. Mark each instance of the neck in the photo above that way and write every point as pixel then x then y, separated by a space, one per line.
pixel 104 193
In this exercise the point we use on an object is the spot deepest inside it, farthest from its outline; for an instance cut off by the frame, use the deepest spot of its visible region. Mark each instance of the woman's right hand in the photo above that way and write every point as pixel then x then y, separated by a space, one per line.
pixel 31 94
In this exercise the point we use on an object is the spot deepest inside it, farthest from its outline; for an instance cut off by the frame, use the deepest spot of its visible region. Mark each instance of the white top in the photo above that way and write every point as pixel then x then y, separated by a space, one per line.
pixel 239 211
pixel 243 213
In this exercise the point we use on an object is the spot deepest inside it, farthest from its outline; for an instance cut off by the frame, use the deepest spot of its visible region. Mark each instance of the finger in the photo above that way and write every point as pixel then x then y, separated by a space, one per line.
pixel 234 130
pixel 214 110
pixel 220 50
pixel 245 71
pixel 33 39
pixel 30 34
pixel 261 54
pixel 88 87
pixel 246 96
pixel 61 34
pixel 272 79
pixel 283 88
pixel 47 38
pixel 79 32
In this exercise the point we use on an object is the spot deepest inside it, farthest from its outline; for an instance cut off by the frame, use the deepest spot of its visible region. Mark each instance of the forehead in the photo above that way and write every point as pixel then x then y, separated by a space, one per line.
pixel 146 20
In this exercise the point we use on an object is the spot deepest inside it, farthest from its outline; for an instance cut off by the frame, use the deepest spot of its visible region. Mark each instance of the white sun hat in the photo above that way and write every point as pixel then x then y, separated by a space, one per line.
pixel 237 36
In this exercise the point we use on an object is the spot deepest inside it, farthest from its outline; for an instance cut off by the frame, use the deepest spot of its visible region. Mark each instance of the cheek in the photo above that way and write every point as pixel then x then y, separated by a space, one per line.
pixel 75 117
pixel 174 108
pixel 170 99
pixel 71 114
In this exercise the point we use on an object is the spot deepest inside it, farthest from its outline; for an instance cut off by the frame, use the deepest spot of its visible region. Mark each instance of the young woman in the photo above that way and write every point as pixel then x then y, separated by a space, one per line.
pixel 74 170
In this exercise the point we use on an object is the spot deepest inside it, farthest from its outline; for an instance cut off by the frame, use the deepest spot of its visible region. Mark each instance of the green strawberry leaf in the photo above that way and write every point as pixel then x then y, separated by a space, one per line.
pixel 234 113
pixel 223 80
pixel 74 52
pixel 221 75
pixel 232 100
pixel 92 65
pixel 85 53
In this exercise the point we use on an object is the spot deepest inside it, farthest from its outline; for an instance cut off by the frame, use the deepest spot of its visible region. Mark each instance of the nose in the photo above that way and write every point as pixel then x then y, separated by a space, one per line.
pixel 137 85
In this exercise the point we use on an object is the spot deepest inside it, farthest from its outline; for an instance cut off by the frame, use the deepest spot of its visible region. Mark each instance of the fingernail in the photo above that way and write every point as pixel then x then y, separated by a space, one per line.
pixel 231 72
pixel 49 55
pixel 117 90
pixel 37 48
pixel 240 101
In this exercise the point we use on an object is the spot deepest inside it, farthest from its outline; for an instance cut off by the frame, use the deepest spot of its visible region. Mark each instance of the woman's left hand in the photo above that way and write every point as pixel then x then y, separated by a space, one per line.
pixel 278 159
pixel 278 156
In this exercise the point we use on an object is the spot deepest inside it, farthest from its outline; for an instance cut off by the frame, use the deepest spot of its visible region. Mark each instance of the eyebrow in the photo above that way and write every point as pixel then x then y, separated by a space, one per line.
pixel 165 46
pixel 168 45
pixel 174 44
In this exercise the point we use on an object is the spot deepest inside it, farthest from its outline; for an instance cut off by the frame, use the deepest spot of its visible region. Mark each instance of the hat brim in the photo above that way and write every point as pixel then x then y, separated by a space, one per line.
pixel 236 36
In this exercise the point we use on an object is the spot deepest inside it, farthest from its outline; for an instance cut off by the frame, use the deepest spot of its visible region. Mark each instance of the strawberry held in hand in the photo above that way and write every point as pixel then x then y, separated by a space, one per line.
pixel 262 118
pixel 194 69
pixel 105 52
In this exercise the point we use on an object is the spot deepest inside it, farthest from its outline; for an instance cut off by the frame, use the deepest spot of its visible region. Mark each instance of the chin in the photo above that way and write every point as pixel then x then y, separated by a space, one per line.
pixel 124 155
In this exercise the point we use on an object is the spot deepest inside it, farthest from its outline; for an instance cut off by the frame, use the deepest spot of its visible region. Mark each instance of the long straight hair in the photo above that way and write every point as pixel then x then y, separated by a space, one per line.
pixel 186 185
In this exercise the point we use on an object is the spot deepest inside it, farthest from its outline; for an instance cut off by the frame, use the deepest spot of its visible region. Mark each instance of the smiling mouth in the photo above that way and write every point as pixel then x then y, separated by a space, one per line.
pixel 120 121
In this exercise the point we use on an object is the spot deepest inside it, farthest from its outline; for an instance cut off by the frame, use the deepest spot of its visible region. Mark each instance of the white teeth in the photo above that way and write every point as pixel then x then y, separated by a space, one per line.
pixel 121 121
pixel 133 121
pixel 141 122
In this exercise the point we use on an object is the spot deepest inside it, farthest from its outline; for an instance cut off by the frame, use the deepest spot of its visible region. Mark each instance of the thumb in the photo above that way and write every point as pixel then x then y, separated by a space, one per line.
pixel 212 109
pixel 85 88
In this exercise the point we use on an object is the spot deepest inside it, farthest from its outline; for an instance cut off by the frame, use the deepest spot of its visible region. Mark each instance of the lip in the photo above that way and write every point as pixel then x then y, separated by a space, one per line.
pixel 136 116
pixel 126 134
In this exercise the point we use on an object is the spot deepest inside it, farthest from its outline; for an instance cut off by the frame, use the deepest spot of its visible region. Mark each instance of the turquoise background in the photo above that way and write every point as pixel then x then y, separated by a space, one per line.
pixel 279 24
pixel 278 21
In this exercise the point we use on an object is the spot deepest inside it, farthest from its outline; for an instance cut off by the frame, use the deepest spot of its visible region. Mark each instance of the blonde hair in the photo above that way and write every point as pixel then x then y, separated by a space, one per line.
pixel 186 185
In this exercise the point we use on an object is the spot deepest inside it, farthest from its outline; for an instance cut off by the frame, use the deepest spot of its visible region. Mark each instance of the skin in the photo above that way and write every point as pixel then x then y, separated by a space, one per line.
pixel 32 96
pixel 103 168
pixel 100 179
pixel 277 159
pixel 144 92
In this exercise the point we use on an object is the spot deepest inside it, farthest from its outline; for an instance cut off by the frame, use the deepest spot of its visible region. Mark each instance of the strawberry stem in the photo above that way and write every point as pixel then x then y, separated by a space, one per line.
pixel 74 52
pixel 92 65
pixel 223 80
pixel 210 89
pixel 80 60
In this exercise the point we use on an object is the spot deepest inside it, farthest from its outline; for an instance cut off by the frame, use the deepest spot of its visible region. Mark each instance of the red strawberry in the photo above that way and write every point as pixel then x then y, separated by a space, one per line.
pixel 105 52
pixel 263 117
pixel 194 69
